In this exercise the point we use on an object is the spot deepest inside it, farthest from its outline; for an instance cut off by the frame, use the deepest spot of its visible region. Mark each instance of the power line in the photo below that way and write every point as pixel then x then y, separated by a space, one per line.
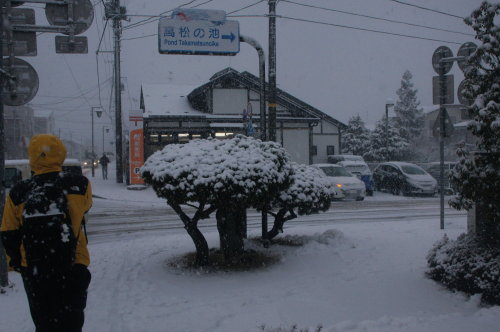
pixel 64 99
pixel 251 5
pixel 377 18
pixel 149 20
pixel 368 30
pixel 140 37
pixel 161 15
pixel 428 9
pixel 97 62
pixel 325 23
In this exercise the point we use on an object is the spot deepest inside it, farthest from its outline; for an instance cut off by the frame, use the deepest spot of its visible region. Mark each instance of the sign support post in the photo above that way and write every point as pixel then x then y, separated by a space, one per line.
pixel 442 61
pixel 442 96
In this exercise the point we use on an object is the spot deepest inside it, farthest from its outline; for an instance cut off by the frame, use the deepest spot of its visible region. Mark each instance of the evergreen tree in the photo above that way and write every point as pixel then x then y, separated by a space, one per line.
pixel 409 117
pixel 477 175
pixel 356 138
pixel 386 145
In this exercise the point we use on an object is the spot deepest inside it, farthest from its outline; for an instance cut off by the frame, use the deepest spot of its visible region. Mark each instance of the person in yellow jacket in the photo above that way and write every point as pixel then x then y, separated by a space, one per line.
pixel 57 299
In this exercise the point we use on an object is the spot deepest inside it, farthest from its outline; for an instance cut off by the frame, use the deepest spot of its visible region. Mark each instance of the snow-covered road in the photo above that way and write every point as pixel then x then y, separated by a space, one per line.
pixel 113 219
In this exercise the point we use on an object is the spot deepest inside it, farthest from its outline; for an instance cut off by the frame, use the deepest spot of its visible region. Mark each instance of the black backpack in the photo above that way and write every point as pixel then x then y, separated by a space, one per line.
pixel 47 234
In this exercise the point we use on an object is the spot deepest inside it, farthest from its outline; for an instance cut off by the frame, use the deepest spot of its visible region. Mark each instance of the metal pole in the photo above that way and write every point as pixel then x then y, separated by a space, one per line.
pixel 93 156
pixel 272 70
pixel 262 78
pixel 442 96
pixel 103 139
pixel 4 276
pixel 118 95
pixel 387 132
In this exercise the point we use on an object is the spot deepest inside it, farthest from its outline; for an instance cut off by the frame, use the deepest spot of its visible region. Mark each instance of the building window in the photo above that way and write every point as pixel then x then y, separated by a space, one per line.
pixel 314 150
pixel 183 137
pixel 330 149
pixel 155 138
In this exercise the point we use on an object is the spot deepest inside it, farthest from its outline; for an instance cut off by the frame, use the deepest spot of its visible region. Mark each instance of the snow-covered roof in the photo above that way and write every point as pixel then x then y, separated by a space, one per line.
pixel 429 109
pixel 325 165
pixel 399 163
pixel 352 163
pixel 461 124
pixel 167 99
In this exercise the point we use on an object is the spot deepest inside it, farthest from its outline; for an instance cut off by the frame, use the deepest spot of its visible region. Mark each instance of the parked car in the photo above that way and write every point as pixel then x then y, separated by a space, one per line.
pixel 403 178
pixel 347 185
pixel 19 169
pixel 71 165
pixel 362 171
pixel 434 169
pixel 335 158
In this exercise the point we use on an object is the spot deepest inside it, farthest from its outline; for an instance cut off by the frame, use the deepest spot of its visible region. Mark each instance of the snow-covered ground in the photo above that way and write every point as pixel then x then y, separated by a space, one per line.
pixel 348 277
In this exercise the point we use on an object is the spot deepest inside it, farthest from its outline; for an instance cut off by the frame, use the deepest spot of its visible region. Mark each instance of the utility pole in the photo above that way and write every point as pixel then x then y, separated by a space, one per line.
pixel 4 276
pixel 117 13
pixel 272 70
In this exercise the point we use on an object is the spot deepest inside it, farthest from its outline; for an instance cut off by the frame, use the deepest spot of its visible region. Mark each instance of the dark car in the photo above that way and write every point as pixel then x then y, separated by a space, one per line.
pixel 400 178
pixel 434 169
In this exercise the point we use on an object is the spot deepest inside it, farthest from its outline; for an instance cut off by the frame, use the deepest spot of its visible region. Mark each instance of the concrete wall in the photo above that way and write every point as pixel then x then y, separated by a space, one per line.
pixel 296 142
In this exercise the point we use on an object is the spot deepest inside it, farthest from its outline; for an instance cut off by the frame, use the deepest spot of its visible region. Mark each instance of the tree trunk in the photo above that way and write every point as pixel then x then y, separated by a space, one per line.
pixel 230 220
pixel 191 226
pixel 201 245
pixel 279 220
pixel 487 223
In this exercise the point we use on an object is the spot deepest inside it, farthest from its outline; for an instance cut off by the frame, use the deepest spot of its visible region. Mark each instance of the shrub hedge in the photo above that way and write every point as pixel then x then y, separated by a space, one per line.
pixel 467 265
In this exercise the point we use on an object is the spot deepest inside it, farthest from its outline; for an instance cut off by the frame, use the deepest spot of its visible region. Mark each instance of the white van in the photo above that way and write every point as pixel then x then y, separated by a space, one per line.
pixel 335 158
pixel 19 169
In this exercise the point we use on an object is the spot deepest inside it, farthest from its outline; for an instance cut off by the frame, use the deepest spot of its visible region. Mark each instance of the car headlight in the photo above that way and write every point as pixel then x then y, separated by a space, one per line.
pixel 339 185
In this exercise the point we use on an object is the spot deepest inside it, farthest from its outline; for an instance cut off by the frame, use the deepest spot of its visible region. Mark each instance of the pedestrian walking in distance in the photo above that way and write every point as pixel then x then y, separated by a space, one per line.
pixel 43 237
pixel 104 161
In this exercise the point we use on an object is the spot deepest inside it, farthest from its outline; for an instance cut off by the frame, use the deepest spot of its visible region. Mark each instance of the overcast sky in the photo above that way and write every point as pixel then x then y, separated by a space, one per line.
pixel 332 65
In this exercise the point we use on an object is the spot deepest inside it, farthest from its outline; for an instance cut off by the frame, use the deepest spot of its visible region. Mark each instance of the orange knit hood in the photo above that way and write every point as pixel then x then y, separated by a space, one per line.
pixel 46 153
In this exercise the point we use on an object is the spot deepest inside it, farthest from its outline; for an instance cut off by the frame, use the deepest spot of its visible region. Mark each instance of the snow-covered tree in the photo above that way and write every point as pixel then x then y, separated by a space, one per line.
pixel 356 137
pixel 226 176
pixel 311 192
pixel 409 117
pixel 477 175
pixel 386 143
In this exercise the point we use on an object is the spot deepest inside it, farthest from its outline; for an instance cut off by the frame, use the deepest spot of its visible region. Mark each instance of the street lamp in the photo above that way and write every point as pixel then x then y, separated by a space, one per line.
pixel 388 103
pixel 99 113
pixel 107 130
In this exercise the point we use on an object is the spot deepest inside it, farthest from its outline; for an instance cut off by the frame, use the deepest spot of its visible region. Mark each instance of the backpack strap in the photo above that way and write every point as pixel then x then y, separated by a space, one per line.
pixel 84 225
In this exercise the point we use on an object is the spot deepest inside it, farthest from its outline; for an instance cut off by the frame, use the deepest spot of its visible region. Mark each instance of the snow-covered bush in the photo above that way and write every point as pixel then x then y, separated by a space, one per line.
pixel 242 170
pixel 222 176
pixel 467 265
pixel 311 192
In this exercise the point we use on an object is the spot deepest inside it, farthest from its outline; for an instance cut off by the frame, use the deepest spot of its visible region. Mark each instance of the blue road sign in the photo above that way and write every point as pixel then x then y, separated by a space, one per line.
pixel 202 37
